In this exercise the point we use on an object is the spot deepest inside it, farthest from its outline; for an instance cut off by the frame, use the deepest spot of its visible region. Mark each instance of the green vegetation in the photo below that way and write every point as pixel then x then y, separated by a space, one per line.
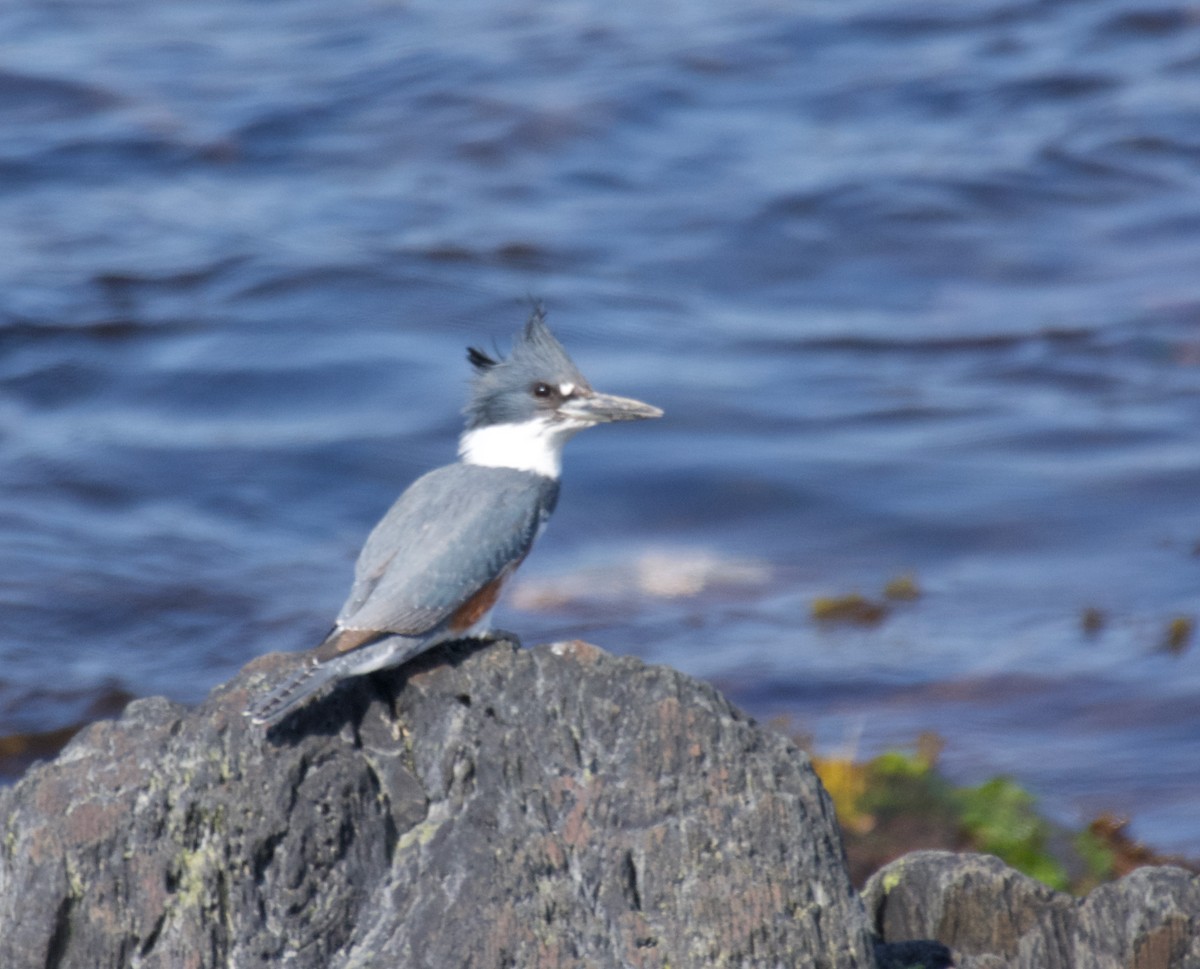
pixel 899 802
pixel 999 818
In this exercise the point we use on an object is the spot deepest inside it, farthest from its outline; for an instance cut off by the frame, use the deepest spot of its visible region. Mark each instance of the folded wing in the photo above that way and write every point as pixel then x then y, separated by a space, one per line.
pixel 446 540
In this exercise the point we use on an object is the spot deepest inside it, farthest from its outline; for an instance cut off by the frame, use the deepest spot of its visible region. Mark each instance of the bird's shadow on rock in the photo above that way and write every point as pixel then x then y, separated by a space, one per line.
pixel 350 701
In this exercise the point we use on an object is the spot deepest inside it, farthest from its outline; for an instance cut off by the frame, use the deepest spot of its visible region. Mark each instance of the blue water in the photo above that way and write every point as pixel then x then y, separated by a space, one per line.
pixel 916 284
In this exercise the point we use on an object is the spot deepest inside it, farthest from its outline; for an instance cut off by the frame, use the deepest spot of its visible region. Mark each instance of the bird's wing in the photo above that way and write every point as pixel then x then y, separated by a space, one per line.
pixel 448 536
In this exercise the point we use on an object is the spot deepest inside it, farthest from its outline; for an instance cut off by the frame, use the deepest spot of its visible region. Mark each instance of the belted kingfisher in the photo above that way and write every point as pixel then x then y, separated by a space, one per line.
pixel 433 567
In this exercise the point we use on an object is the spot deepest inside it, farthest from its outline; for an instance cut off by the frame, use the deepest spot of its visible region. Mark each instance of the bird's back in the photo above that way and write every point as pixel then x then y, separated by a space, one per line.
pixel 452 532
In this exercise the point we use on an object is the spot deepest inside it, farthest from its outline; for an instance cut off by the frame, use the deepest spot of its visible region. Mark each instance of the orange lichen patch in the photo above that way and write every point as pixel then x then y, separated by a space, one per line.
pixel 852 608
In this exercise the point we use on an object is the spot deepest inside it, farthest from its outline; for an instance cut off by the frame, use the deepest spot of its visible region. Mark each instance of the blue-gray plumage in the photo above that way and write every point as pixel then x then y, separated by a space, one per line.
pixel 444 539
pixel 432 568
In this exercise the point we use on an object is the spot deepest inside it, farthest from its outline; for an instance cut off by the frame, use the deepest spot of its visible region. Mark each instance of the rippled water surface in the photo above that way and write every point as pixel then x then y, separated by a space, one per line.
pixel 917 284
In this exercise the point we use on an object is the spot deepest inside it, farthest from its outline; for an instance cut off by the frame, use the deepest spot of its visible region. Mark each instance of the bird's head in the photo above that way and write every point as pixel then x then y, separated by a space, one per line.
pixel 525 406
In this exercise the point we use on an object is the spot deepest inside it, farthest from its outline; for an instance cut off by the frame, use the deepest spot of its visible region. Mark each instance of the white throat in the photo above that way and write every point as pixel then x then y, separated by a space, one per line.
pixel 534 445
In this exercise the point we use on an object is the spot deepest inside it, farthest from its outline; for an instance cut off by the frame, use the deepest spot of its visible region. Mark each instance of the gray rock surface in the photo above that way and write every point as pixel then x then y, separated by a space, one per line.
pixel 487 807
pixel 992 916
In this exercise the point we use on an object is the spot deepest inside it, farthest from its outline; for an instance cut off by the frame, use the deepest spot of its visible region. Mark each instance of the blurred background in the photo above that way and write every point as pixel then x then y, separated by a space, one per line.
pixel 917 284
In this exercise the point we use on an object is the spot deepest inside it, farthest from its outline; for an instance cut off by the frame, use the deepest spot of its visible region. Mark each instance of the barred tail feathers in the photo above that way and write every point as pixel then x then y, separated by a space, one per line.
pixel 345 652
pixel 272 707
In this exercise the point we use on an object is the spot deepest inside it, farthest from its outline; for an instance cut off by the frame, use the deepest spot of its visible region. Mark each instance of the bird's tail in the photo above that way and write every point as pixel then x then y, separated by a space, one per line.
pixel 268 709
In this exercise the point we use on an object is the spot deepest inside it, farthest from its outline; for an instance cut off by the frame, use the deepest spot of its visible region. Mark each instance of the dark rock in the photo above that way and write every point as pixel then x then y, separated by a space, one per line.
pixel 922 954
pixel 993 916
pixel 484 807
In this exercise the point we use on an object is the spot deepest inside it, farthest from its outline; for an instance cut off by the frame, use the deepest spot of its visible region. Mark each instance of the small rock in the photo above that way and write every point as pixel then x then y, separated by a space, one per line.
pixel 991 915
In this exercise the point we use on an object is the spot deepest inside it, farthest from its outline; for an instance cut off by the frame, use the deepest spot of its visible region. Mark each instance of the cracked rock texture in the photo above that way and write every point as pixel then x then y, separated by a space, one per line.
pixel 485 806
pixel 993 917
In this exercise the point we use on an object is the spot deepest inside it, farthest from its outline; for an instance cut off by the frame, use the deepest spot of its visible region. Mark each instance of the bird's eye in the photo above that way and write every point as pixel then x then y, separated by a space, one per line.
pixel 542 390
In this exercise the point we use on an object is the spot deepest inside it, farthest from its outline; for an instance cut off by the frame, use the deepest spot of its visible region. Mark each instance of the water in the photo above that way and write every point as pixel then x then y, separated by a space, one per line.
pixel 916 285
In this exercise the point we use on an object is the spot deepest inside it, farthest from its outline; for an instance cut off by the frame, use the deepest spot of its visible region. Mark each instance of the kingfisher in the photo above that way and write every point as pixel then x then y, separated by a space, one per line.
pixel 432 569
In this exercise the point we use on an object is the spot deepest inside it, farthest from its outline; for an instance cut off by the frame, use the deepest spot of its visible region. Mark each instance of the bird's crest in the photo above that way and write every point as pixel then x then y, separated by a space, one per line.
pixel 534 335
pixel 501 382
pixel 480 360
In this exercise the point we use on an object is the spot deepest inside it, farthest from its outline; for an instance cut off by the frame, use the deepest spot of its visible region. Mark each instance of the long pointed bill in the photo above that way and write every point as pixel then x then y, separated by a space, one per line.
pixel 603 408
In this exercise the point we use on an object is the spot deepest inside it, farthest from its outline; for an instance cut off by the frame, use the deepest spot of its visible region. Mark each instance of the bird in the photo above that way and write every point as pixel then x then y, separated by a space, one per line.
pixel 433 567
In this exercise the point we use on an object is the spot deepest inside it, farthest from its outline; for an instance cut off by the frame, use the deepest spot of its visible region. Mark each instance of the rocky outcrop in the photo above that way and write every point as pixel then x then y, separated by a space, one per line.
pixel 490 806
pixel 993 917
pixel 486 806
